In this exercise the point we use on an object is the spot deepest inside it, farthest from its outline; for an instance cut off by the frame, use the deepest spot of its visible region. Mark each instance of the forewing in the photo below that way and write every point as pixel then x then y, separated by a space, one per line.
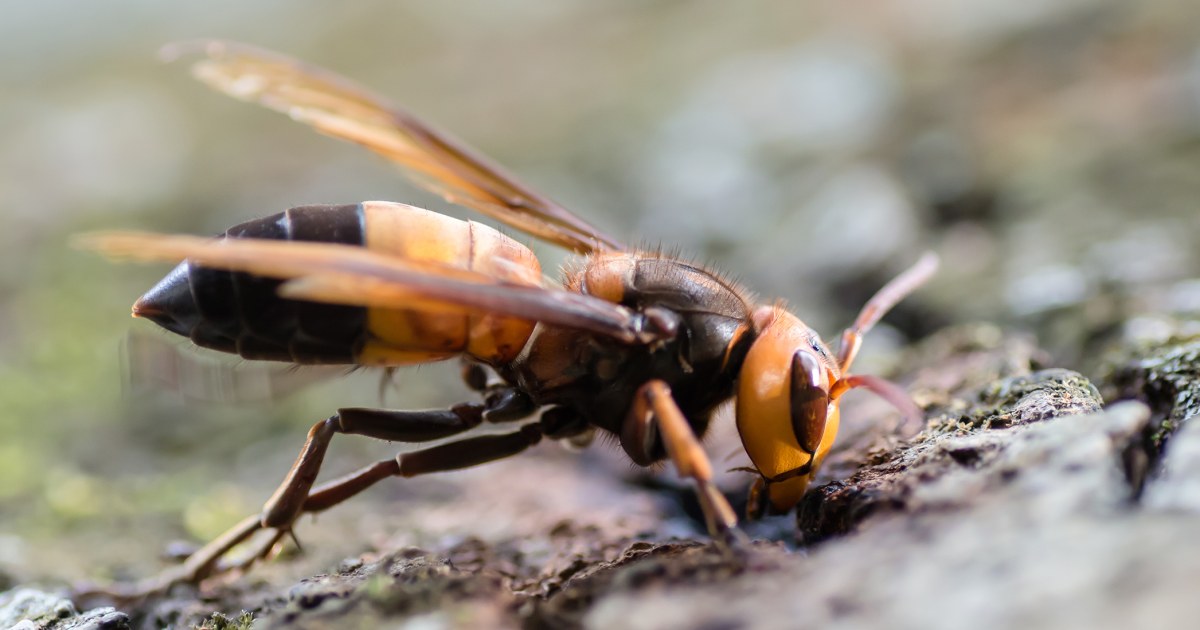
pixel 433 159
pixel 346 274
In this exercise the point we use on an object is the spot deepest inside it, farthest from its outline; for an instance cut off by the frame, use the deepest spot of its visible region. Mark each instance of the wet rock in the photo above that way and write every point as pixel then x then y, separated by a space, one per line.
pixel 958 457
pixel 1034 397
pixel 1165 375
pixel 29 609
pixel 644 569
pixel 1015 505
pixel 1038 532
pixel 1178 486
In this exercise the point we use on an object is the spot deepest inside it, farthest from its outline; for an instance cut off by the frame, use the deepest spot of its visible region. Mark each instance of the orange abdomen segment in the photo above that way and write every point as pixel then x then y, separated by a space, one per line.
pixel 403 336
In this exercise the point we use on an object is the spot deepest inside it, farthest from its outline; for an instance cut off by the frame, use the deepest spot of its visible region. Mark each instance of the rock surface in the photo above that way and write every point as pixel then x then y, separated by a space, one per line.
pixel 1022 503
pixel 30 609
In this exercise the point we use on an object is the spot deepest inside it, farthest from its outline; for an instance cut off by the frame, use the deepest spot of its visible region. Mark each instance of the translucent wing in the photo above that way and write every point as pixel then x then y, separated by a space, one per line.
pixel 346 274
pixel 434 160
pixel 155 364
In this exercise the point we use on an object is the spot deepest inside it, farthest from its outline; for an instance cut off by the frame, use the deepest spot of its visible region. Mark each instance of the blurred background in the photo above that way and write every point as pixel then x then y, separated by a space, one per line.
pixel 1047 151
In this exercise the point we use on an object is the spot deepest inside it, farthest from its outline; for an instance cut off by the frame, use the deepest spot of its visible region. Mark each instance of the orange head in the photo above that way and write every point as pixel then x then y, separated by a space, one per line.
pixel 785 415
pixel 789 385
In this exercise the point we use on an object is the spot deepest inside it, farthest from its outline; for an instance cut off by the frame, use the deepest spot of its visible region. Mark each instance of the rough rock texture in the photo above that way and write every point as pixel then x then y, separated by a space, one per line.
pixel 1166 375
pixel 958 460
pixel 1021 503
pixel 30 609
pixel 1009 536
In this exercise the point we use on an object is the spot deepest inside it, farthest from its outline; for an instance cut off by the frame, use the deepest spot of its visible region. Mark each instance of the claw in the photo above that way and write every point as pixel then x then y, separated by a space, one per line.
pixel 735 543
pixel 291 533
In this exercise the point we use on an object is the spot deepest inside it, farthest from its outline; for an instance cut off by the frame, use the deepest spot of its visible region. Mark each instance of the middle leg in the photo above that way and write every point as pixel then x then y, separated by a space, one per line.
pixel 502 405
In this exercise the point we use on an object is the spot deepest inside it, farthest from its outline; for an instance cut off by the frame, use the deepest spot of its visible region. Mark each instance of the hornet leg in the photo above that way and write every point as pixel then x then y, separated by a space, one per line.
pixel 655 409
pixel 296 494
pixel 396 426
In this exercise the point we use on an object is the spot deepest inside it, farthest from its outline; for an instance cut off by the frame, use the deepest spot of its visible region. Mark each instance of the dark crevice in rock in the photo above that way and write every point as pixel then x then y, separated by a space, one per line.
pixel 644 566
pixel 1166 377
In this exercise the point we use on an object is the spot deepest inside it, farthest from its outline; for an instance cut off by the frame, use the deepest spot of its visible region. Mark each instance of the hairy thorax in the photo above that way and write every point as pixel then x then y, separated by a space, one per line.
pixel 598 376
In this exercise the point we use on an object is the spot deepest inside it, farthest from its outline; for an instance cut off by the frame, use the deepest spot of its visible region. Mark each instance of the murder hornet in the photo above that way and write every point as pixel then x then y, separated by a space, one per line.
pixel 638 344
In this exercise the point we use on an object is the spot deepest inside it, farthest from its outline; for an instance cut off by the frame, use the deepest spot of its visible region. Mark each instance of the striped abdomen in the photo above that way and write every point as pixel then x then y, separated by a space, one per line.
pixel 243 314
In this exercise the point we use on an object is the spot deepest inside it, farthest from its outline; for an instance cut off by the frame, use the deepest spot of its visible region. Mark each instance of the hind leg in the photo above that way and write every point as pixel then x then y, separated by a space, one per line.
pixel 296 494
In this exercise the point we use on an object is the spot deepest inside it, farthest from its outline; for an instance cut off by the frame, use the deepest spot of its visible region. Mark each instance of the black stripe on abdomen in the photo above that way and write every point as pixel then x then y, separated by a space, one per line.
pixel 243 313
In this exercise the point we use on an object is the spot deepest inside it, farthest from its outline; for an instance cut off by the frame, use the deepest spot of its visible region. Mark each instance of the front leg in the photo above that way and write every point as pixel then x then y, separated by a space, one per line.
pixel 655 413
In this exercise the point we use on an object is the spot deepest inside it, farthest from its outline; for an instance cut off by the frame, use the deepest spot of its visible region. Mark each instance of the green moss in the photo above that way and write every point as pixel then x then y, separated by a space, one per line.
pixel 218 621
pixel 1164 375
pixel 1031 398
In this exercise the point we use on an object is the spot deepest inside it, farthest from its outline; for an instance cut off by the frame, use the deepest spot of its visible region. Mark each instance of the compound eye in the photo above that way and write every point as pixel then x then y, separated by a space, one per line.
pixel 809 401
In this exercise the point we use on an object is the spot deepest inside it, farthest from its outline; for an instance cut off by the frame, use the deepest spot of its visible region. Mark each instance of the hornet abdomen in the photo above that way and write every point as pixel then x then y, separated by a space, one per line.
pixel 243 313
